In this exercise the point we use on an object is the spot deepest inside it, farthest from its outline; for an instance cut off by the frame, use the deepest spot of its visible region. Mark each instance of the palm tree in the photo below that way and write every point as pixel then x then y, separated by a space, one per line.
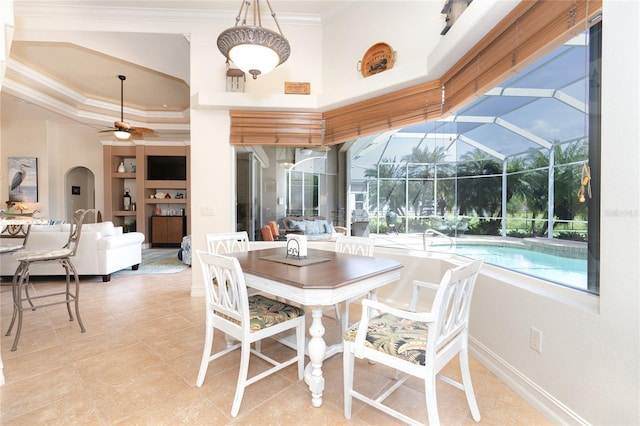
pixel 425 168
pixel 481 195
pixel 389 183
pixel 532 186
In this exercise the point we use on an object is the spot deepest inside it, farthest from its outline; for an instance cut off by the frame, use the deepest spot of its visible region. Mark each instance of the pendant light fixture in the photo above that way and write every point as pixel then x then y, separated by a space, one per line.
pixel 251 47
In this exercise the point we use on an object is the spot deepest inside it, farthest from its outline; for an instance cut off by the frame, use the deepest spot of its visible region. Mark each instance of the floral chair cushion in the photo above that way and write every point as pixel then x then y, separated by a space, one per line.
pixel 265 312
pixel 399 337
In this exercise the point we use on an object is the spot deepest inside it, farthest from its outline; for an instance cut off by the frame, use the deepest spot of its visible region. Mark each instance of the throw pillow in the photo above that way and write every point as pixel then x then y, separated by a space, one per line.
pixel 297 225
pixel 311 227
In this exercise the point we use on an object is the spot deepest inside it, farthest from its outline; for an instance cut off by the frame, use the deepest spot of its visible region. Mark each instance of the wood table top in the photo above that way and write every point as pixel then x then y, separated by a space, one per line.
pixel 334 271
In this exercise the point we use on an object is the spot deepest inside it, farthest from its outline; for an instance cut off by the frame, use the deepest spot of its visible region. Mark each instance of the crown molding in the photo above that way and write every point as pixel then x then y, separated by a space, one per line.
pixel 77 102
pixel 61 9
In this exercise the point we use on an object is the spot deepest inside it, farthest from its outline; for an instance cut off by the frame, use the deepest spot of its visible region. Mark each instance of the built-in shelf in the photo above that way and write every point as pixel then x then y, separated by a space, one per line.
pixel 165 184
pixel 165 201
pixel 134 157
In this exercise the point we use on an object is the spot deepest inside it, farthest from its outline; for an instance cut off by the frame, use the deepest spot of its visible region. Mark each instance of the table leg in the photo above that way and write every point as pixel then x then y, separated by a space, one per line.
pixel 317 348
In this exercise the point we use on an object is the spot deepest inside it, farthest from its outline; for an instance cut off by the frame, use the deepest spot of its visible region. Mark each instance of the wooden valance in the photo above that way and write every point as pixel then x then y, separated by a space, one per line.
pixel 529 32
pixel 276 128
pixel 416 104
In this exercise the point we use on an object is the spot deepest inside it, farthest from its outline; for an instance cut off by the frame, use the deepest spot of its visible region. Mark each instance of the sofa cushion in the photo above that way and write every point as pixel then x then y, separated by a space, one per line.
pixel 297 225
pixel 324 226
pixel 115 241
pixel 104 228
pixel 312 227
pixel 48 228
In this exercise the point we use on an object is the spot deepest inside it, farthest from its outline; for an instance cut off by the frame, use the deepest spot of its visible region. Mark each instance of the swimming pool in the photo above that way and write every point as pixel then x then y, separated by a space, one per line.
pixel 558 269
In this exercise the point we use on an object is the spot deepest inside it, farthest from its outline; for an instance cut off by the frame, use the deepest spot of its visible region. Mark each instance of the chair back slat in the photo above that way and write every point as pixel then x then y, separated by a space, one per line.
pixel 452 306
pixel 231 242
pixel 225 287
pixel 355 245
pixel 75 229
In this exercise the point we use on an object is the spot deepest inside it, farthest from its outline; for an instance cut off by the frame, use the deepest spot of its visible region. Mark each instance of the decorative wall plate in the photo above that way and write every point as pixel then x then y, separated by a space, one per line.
pixel 380 57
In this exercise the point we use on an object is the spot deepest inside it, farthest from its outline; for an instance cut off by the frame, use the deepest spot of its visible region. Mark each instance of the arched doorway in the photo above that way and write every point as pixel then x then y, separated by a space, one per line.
pixel 79 191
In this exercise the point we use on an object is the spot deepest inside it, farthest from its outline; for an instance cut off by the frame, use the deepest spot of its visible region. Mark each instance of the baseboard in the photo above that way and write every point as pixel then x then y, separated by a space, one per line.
pixel 541 400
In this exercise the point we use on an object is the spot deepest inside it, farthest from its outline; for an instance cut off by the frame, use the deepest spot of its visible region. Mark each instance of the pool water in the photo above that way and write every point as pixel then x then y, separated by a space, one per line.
pixel 558 269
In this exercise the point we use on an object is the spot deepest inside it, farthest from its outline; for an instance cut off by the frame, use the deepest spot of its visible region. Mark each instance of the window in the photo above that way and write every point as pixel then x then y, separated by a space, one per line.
pixel 302 193
pixel 509 166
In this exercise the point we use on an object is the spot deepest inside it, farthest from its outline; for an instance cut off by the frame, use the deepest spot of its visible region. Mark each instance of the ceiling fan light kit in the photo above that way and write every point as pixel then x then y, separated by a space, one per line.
pixel 252 48
pixel 122 135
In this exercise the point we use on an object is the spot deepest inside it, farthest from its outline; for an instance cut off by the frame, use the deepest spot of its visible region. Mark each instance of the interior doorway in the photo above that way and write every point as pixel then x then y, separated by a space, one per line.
pixel 80 192
pixel 248 196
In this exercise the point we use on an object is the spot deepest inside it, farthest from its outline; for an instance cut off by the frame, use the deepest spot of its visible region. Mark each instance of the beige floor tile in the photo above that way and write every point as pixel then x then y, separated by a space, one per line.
pixel 73 409
pixel 187 407
pixel 138 362
pixel 35 363
pixel 20 397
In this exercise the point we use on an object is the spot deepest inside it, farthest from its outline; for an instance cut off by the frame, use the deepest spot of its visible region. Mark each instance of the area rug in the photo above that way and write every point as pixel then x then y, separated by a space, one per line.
pixel 158 261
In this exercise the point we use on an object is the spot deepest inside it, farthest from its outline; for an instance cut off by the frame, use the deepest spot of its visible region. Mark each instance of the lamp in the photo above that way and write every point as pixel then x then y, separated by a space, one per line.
pixel 253 48
pixel 287 164
pixel 120 134
pixel 286 159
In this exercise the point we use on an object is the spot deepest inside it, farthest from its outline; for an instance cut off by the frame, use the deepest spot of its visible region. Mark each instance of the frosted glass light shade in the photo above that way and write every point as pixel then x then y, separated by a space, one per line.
pixel 254 59
pixel 255 50
pixel 119 134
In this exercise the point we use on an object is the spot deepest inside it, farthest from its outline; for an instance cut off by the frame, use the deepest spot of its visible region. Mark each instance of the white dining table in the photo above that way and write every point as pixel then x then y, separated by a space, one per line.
pixel 323 278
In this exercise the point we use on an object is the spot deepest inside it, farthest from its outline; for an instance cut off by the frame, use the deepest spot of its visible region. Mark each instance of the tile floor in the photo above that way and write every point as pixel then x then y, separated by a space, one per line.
pixel 138 361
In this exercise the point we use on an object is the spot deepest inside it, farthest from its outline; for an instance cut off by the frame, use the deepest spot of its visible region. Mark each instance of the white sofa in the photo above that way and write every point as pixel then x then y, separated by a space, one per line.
pixel 102 250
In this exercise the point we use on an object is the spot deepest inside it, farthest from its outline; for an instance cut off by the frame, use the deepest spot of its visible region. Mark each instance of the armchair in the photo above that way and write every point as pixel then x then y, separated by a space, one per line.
pixel 418 344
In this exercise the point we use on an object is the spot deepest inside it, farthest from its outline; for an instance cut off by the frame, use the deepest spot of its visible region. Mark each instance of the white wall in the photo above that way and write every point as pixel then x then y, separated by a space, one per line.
pixel 58 149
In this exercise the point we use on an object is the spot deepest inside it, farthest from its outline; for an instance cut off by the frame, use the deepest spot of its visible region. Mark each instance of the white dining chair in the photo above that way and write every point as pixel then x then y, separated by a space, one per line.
pixel 418 344
pixel 361 246
pixel 225 243
pixel 230 242
pixel 247 319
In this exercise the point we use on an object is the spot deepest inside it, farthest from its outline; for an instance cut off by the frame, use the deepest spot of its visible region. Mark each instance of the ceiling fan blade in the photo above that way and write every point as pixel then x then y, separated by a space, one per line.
pixel 142 130
pixel 106 131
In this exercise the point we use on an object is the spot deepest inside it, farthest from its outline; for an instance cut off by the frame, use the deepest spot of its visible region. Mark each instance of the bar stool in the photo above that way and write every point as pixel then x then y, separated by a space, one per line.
pixel 21 277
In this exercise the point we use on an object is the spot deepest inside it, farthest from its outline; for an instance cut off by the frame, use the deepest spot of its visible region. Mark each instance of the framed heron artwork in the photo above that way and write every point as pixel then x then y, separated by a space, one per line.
pixel 23 179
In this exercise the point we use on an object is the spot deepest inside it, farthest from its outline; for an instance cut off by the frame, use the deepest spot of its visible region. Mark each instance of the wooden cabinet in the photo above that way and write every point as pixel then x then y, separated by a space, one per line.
pixel 168 230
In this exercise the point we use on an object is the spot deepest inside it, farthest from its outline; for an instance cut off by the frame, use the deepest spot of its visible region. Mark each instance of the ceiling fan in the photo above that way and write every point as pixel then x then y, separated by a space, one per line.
pixel 123 130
